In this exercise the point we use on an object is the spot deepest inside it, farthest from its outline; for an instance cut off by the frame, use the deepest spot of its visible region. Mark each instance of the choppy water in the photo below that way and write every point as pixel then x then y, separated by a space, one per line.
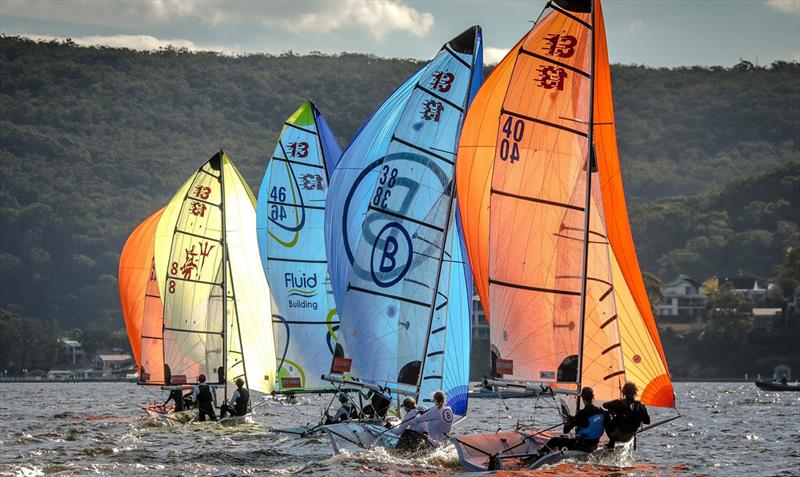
pixel 79 429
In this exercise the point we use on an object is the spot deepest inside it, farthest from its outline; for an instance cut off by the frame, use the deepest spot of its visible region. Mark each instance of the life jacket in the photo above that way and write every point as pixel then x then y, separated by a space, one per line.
pixel 240 406
pixel 594 430
pixel 204 395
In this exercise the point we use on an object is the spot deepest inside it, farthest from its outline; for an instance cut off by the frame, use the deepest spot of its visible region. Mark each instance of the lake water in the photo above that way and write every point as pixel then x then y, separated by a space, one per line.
pixel 80 429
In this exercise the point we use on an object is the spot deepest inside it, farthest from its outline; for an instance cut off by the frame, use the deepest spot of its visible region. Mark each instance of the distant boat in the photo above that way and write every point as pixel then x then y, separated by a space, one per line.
pixel 291 235
pixel 397 264
pixel 214 293
pixel 777 386
pixel 547 231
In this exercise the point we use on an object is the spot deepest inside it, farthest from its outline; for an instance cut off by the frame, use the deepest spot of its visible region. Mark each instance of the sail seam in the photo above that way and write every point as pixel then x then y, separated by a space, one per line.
pixel 317 166
pixel 567 14
pixel 301 129
pixel 439 97
pixel 197 236
pixel 530 288
pixel 191 280
pixel 454 55
pixel 295 260
pixel 543 122
pixel 404 217
pixel 534 199
pixel 422 149
pixel 555 62
pixel 386 295
pixel 303 206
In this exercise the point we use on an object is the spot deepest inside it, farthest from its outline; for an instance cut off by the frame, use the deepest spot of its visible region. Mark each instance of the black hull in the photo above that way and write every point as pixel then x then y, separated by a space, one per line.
pixel 771 386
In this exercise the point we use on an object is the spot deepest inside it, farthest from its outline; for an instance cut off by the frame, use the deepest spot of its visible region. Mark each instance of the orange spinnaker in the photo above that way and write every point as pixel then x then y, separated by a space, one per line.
pixel 521 184
pixel 135 266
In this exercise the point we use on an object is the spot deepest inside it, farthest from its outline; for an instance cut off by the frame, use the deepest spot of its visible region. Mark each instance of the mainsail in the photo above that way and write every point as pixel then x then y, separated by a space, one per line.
pixel 290 218
pixel 216 299
pixel 399 277
pixel 135 270
pixel 545 220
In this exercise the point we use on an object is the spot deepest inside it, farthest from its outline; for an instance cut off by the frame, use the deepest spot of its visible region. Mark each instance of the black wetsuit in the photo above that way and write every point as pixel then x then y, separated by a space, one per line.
pixel 626 417
pixel 205 403
pixel 378 407
pixel 588 435
pixel 241 400
pixel 177 396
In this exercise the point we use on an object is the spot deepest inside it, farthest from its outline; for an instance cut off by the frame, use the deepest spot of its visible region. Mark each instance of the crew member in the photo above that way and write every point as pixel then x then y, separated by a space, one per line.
pixel 239 403
pixel 626 414
pixel 589 423
pixel 412 434
pixel 346 411
pixel 439 419
pixel 204 397
pixel 176 395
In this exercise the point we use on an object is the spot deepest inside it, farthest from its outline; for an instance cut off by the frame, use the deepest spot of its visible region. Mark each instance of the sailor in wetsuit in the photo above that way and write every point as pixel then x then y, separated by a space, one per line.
pixel 626 416
pixel 589 423
pixel 412 435
pixel 346 411
pixel 438 419
pixel 204 396
pixel 378 405
pixel 177 396
pixel 239 403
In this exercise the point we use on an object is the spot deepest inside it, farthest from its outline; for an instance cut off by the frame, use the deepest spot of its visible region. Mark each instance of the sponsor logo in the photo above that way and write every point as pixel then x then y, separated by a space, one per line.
pixel 302 290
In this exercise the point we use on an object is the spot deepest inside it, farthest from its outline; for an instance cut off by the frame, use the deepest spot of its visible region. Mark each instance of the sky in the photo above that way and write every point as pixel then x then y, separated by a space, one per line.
pixel 656 33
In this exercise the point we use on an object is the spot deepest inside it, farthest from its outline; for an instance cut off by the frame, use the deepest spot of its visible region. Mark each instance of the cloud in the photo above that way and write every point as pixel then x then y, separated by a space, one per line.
pixel 785 6
pixel 492 56
pixel 377 17
pixel 134 42
pixel 637 24
pixel 120 14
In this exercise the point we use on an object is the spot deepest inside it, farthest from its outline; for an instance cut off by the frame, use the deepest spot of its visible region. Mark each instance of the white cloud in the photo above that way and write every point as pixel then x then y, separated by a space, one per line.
pixel 377 17
pixel 492 56
pixel 636 25
pixel 785 6
pixel 134 42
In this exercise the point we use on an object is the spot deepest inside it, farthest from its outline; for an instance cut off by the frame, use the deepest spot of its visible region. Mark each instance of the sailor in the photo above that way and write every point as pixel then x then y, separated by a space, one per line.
pixel 784 381
pixel 239 403
pixel 439 418
pixel 177 396
pixel 346 411
pixel 589 423
pixel 379 405
pixel 626 414
pixel 204 397
pixel 413 435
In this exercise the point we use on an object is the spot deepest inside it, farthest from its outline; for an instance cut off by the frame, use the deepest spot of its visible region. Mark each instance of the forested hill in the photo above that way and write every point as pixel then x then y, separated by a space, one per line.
pixel 93 140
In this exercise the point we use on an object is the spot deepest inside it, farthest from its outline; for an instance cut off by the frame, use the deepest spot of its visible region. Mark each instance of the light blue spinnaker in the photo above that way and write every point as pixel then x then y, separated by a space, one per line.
pixel 396 260
pixel 290 221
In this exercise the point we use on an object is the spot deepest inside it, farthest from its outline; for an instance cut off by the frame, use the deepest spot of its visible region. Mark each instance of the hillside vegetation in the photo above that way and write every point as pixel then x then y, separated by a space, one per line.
pixel 94 139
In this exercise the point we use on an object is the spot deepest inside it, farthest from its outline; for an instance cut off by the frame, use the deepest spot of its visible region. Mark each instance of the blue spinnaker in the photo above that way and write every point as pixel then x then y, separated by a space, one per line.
pixel 290 221
pixel 396 261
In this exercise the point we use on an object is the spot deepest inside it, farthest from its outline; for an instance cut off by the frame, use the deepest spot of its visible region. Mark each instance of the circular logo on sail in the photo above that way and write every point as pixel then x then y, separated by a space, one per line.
pixel 396 193
pixel 392 252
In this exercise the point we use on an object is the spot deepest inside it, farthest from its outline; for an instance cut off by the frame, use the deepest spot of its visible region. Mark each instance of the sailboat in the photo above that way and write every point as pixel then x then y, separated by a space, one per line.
pixel 547 231
pixel 290 218
pixel 215 297
pixel 399 275
pixel 141 304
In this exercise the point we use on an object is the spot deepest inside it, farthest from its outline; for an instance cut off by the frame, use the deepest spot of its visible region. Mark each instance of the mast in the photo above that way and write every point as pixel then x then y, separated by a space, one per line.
pixel 587 212
pixel 224 276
